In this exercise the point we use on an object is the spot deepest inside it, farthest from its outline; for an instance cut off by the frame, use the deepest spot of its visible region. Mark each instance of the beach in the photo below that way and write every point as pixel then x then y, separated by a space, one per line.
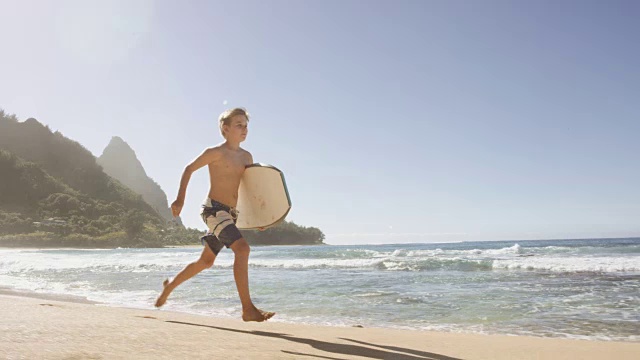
pixel 570 299
pixel 585 290
pixel 44 328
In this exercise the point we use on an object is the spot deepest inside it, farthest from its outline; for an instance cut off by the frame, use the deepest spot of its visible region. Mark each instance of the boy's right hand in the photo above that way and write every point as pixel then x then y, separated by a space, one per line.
pixel 176 207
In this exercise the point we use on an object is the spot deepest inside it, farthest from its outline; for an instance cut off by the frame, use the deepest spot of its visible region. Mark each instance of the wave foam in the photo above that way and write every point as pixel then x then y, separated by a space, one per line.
pixel 569 264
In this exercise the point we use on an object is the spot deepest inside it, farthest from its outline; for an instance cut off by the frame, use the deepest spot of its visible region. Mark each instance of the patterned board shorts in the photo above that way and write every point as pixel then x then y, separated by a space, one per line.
pixel 221 221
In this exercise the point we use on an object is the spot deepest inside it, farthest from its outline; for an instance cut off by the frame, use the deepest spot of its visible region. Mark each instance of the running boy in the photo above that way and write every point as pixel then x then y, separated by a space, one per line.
pixel 226 163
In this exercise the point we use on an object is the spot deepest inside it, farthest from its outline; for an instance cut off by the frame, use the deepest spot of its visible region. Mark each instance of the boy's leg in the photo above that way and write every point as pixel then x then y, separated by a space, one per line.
pixel 241 251
pixel 206 261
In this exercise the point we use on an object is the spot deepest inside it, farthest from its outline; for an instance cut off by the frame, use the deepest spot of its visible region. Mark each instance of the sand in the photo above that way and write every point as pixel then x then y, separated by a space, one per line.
pixel 43 328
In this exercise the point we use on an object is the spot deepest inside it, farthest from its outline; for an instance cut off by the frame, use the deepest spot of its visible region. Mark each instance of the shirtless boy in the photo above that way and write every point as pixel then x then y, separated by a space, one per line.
pixel 226 163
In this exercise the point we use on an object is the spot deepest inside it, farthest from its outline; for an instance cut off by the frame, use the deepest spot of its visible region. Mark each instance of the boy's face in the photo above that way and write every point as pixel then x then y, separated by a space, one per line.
pixel 237 129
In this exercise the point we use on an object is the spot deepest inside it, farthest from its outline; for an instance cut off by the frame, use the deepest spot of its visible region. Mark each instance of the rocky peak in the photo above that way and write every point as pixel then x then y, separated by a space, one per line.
pixel 119 161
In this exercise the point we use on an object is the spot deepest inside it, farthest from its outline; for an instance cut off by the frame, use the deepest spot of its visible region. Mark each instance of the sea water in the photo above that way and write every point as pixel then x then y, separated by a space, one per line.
pixel 588 289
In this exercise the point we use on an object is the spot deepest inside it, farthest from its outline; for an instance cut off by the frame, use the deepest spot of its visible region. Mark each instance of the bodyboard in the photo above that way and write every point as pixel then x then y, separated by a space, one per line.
pixel 263 197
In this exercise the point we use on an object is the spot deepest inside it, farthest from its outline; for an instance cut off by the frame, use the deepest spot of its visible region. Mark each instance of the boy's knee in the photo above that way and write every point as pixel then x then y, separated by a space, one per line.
pixel 206 263
pixel 241 248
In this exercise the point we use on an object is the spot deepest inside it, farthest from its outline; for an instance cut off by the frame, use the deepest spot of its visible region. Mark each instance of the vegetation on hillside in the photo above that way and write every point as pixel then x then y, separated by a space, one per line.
pixel 285 233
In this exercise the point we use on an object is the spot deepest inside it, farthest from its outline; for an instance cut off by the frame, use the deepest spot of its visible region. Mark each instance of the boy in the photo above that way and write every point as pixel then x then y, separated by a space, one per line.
pixel 226 163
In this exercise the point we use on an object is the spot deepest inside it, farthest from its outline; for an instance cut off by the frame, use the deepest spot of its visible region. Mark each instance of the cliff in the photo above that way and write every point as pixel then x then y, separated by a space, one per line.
pixel 119 161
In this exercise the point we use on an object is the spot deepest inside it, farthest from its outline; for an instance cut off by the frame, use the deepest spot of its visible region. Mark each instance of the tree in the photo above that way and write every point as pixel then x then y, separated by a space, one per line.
pixel 133 223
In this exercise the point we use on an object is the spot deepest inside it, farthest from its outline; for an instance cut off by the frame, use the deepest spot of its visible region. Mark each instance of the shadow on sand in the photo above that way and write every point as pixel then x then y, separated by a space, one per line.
pixel 371 351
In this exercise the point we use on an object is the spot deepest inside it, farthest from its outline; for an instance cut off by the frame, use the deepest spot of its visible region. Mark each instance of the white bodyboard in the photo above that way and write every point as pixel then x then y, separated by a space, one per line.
pixel 263 198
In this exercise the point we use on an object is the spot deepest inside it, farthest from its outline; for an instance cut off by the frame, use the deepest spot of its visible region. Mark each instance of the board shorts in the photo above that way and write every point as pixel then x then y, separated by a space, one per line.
pixel 221 221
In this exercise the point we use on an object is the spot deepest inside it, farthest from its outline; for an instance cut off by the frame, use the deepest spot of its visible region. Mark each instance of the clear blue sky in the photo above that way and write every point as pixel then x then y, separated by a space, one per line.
pixel 394 121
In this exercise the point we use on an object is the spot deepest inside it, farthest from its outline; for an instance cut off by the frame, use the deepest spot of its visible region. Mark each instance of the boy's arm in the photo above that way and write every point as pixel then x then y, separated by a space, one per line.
pixel 207 157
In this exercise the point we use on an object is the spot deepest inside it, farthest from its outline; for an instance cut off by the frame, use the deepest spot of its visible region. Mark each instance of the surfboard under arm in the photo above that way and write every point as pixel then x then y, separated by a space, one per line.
pixel 263 197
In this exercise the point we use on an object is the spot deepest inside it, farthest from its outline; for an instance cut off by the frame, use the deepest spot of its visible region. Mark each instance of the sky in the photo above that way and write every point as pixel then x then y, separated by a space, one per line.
pixel 393 121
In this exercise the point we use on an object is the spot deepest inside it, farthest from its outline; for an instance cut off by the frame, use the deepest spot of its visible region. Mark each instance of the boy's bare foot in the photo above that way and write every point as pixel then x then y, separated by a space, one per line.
pixel 256 314
pixel 163 297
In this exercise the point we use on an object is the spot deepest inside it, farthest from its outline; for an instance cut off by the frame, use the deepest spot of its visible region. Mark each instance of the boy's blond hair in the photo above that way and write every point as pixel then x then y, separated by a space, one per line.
pixel 225 117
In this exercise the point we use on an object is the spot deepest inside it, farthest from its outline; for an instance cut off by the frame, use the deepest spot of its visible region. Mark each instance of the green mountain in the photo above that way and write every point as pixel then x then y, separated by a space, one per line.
pixel 54 193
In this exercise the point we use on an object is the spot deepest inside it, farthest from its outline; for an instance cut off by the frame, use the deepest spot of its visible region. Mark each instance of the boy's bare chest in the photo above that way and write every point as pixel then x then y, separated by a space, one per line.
pixel 229 166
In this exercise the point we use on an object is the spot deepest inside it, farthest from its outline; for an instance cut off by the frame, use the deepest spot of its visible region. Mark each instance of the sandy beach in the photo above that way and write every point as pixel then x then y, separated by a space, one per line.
pixel 44 328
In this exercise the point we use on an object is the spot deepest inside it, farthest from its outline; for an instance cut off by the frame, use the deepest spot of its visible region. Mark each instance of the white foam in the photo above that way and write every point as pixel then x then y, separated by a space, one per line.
pixel 400 252
pixel 317 263
pixel 28 261
pixel 571 264
pixel 475 253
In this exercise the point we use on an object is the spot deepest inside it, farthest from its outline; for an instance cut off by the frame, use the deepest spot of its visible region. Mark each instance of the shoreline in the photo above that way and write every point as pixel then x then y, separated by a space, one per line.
pixel 7 291
pixel 76 329
pixel 304 291
pixel 83 300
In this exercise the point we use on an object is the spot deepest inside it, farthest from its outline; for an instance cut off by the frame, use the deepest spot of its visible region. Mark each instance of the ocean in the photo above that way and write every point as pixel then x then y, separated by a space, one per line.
pixel 585 289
